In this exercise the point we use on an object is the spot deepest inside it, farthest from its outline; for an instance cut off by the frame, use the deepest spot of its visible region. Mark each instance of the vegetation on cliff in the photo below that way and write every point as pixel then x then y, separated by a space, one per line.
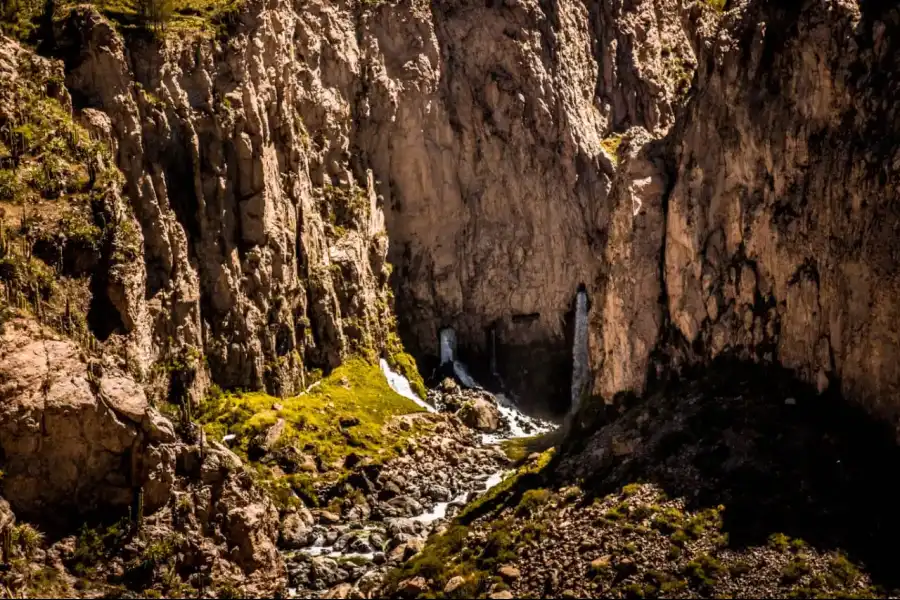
pixel 23 19
pixel 59 214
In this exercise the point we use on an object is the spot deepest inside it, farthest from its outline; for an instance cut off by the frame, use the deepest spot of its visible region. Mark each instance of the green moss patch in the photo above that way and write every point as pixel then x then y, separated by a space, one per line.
pixel 343 416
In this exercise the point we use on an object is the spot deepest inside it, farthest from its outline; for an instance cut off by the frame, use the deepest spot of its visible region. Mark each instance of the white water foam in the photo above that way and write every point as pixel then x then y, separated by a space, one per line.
pixel 459 369
pixel 400 384
pixel 520 424
pixel 448 345
pixel 440 509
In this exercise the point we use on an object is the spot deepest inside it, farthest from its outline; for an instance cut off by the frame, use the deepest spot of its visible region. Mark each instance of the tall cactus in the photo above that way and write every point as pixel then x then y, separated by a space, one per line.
pixel 137 509
pixel 7 544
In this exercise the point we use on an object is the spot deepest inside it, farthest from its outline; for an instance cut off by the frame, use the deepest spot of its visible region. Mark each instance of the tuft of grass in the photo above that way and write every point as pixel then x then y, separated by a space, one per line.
pixel 795 570
pixel 841 568
pixel 27 538
pixel 705 570
pixel 532 500
pixel 611 146
pixel 519 449
pixel 631 489
pixel 779 541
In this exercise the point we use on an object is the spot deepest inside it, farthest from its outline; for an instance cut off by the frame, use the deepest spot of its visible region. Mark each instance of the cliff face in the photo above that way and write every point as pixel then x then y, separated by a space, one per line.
pixel 260 250
pixel 509 152
pixel 495 143
pixel 489 130
pixel 777 241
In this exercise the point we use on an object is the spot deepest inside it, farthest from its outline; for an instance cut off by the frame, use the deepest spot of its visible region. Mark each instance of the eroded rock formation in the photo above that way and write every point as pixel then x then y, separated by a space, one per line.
pixel 489 132
pixel 777 236
pixel 79 439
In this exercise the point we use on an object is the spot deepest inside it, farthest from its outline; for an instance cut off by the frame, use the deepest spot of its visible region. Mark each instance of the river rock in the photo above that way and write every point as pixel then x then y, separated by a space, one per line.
pixel 480 414
pixel 439 493
pixel 294 531
pixel 326 516
pixel 406 506
pixel 369 581
pixel 413 587
pixel 299 571
pixel 403 525
pixel 406 550
pixel 341 590
pixel 454 584
pixel 325 572
pixel 399 539
pixel 509 573
pixel 360 545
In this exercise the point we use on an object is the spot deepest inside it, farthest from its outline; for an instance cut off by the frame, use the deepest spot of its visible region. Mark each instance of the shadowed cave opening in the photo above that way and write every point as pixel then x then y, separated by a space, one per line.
pixel 515 356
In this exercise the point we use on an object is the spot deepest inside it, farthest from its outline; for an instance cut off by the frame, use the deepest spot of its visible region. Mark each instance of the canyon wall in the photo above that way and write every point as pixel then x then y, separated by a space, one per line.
pixel 269 166
pixel 778 235
pixel 499 155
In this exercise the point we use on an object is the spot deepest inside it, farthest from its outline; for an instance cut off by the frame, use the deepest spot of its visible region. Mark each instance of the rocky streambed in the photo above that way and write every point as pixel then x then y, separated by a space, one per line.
pixel 382 514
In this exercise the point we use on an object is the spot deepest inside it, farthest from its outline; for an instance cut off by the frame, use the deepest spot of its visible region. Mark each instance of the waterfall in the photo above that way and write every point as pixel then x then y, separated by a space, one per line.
pixel 448 345
pixel 462 374
pixel 400 384
pixel 580 349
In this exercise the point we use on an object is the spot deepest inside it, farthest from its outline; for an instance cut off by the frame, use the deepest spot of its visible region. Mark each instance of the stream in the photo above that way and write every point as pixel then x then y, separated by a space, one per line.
pixel 417 495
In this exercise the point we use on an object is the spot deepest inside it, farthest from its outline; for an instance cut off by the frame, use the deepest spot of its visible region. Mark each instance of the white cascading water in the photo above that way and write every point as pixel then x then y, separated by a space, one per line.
pixel 400 384
pixel 448 355
pixel 448 345
pixel 579 350
pixel 462 374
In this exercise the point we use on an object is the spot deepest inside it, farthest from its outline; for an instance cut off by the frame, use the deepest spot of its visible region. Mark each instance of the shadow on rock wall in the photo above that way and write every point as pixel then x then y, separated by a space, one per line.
pixel 776 455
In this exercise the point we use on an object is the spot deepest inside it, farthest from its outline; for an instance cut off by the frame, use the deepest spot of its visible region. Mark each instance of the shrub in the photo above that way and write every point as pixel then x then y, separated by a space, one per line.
pixel 27 538
pixel 10 186
pixel 531 501
pixel 155 14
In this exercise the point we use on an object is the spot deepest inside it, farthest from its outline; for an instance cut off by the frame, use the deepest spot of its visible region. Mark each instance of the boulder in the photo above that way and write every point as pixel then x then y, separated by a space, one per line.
pixel 341 590
pixel 294 531
pixel 265 442
pixel 67 428
pixel 454 584
pixel 480 414
pixel 509 573
pixel 413 587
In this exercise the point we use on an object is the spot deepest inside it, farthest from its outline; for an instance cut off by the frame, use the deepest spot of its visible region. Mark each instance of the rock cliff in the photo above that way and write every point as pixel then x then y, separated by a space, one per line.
pixel 768 228
pixel 269 168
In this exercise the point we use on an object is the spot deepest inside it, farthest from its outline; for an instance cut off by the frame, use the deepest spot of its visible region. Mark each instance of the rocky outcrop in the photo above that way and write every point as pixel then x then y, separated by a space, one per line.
pixel 70 431
pixel 78 438
pixel 778 236
pixel 493 139
pixel 262 251
pixel 480 414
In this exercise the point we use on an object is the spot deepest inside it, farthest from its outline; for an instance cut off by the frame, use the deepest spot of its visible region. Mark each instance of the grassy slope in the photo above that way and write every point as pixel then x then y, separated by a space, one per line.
pixel 346 413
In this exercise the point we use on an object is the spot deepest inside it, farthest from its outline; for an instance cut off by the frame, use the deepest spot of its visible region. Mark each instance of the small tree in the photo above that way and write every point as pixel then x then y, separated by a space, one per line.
pixel 155 14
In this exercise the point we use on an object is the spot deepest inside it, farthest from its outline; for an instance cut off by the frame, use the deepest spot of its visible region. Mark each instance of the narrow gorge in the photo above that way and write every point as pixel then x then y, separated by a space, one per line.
pixel 408 298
